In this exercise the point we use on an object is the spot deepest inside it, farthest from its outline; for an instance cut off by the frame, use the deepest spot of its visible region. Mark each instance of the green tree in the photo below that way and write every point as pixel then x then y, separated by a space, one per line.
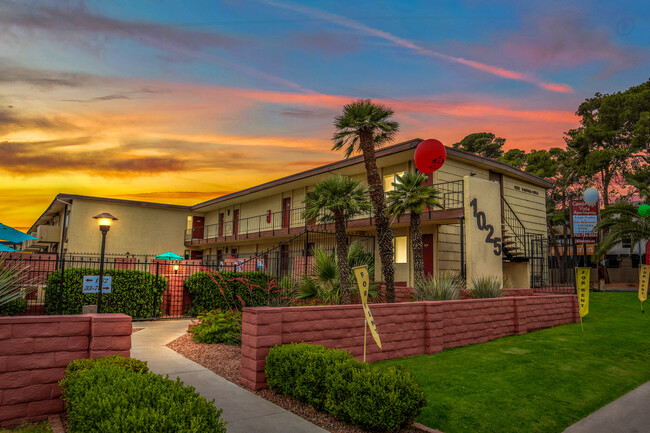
pixel 621 221
pixel 514 157
pixel 362 127
pixel 338 198
pixel 482 143
pixel 413 196
pixel 613 137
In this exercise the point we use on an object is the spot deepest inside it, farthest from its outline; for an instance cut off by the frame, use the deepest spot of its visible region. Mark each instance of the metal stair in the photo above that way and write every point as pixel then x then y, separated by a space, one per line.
pixel 513 235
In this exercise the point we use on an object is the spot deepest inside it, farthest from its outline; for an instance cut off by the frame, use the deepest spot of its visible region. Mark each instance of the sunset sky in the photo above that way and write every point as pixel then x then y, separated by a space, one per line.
pixel 180 102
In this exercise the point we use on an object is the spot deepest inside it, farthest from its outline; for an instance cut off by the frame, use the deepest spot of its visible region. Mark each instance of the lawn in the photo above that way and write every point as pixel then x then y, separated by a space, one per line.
pixel 539 382
pixel 43 427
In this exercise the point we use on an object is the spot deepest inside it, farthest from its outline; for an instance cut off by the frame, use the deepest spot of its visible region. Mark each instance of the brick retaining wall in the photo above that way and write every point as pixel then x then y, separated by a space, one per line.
pixel 405 329
pixel 34 351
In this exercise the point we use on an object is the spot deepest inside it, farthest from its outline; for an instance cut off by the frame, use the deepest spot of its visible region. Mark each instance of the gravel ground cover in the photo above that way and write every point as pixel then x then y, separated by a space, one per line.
pixel 225 361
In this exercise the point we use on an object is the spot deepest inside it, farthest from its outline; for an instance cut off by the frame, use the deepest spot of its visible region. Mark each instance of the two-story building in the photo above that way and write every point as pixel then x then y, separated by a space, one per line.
pixel 492 215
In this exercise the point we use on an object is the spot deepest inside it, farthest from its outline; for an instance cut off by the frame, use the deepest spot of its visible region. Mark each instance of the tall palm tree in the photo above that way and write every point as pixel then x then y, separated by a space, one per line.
pixel 338 198
pixel 413 196
pixel 361 127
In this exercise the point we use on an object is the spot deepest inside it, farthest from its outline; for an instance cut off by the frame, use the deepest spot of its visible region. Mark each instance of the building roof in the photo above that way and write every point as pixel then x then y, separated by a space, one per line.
pixel 386 151
pixel 60 200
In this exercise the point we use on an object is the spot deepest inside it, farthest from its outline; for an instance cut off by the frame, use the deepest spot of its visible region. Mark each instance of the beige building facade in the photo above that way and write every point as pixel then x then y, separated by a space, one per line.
pixel 491 212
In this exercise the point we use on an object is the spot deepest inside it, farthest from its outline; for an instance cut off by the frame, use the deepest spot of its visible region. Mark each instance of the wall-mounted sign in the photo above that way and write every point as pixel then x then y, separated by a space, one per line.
pixel 583 220
pixel 91 284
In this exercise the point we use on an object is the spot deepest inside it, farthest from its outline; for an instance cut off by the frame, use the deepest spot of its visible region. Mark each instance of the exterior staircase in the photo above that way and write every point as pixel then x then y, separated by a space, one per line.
pixel 513 235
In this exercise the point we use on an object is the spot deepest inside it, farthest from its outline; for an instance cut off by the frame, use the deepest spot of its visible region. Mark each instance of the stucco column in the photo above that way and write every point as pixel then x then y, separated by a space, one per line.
pixel 483 253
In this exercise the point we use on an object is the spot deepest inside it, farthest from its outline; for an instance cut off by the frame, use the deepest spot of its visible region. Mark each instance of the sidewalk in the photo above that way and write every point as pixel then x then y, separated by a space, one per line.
pixel 244 411
pixel 628 414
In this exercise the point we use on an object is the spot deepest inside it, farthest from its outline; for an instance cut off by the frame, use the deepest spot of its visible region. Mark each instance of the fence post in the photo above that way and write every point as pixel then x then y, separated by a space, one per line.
pixel 306 249
pixel 155 296
pixel 60 309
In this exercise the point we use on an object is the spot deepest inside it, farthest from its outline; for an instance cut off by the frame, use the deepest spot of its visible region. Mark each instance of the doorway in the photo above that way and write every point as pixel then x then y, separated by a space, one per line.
pixel 427 254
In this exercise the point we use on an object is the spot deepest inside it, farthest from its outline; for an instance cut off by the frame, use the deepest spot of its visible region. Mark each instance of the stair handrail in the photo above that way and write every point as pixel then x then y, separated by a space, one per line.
pixel 521 239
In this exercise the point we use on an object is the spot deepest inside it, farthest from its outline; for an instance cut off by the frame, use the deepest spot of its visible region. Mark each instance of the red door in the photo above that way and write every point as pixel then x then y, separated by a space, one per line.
pixel 196 255
pixel 220 225
pixel 197 227
pixel 235 222
pixel 286 212
pixel 427 254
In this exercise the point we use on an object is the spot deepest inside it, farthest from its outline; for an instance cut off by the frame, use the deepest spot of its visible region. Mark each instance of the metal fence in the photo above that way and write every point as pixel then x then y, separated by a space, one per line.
pixel 47 289
pixel 553 263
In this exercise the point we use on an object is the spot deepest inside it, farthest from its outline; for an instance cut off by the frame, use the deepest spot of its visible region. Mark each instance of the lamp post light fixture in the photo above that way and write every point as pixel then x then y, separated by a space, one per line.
pixel 105 220
pixel 176 267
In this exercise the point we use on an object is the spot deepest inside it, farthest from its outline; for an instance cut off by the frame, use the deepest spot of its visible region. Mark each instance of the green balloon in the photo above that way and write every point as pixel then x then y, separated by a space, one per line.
pixel 644 210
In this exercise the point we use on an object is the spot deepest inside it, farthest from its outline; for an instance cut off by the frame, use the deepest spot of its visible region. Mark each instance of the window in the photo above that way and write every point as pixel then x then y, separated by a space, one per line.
pixel 400 249
pixel 189 222
pixel 389 179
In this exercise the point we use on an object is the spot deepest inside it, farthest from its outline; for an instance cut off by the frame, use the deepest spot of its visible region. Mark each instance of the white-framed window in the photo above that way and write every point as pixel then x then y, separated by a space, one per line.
pixel 389 179
pixel 400 249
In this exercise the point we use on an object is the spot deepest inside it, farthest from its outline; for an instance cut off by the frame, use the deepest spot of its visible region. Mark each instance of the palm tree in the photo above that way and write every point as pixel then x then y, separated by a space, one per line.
pixel 622 222
pixel 338 198
pixel 361 127
pixel 413 196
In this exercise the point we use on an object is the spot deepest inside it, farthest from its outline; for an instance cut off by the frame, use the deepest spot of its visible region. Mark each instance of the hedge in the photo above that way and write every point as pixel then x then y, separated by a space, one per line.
pixel 237 287
pixel 132 292
pixel 218 326
pixel 13 308
pixel 386 398
pixel 119 396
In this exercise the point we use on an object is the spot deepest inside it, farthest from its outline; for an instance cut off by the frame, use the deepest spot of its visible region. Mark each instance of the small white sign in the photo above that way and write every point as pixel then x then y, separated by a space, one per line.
pixel 91 284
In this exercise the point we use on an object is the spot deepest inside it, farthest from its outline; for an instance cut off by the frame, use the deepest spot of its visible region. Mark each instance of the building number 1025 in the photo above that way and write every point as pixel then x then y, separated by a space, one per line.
pixel 481 223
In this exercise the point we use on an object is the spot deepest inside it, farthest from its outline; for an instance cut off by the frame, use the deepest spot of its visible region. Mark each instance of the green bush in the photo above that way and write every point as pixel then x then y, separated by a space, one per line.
pixel 372 398
pixel 13 308
pixel 443 287
pixel 485 287
pixel 249 287
pixel 84 364
pixel 218 326
pixel 110 399
pixel 132 292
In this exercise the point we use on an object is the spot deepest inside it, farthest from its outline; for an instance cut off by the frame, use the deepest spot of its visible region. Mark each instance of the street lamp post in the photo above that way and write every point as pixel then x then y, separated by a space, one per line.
pixel 105 220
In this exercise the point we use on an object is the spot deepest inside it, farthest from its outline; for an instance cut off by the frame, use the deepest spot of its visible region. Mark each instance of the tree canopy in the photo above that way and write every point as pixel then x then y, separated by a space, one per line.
pixel 482 143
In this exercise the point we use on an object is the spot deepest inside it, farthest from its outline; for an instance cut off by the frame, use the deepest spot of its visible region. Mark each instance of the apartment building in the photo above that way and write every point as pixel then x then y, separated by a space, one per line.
pixel 492 213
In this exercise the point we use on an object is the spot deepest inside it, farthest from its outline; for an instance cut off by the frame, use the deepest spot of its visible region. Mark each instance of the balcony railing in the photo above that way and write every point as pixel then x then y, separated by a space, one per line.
pixel 282 222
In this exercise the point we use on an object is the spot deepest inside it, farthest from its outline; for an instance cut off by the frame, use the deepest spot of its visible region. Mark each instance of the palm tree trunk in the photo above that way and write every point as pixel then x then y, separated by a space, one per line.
pixel 342 257
pixel 418 256
pixel 384 234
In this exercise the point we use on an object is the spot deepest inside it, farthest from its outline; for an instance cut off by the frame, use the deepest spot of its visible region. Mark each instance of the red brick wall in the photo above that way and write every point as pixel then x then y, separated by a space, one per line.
pixel 34 351
pixel 405 329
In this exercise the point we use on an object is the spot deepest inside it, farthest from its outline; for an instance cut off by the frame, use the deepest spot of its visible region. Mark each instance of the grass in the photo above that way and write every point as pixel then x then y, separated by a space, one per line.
pixel 43 427
pixel 540 382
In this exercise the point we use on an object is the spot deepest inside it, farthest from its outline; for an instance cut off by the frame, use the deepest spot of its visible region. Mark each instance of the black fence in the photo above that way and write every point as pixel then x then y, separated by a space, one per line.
pixel 50 282
pixel 553 262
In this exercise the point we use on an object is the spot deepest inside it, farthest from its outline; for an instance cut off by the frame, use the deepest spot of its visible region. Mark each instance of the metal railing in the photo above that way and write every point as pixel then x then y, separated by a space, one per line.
pixel 451 196
pixel 515 230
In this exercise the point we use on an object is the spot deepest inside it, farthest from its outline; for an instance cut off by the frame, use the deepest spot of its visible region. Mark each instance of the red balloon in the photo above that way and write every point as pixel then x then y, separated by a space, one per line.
pixel 430 155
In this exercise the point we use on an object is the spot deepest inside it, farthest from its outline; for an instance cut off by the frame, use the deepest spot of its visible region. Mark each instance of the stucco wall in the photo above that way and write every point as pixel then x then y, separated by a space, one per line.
pixel 138 230
pixel 405 329
pixel 34 351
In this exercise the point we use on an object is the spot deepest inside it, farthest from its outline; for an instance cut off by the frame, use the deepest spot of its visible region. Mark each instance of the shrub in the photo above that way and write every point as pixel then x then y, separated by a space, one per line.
pixel 386 398
pixel 13 308
pixel 298 370
pixel 84 364
pixel 218 326
pixel 232 290
pixel 110 399
pixel 485 287
pixel 443 287
pixel 132 292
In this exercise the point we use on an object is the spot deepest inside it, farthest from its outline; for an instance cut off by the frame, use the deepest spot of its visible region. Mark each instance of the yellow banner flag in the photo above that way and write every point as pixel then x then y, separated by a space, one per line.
pixel 582 283
pixel 644 277
pixel 363 280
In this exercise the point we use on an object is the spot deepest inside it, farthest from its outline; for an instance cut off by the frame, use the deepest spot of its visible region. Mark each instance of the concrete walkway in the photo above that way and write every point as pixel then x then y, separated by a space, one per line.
pixel 628 414
pixel 244 411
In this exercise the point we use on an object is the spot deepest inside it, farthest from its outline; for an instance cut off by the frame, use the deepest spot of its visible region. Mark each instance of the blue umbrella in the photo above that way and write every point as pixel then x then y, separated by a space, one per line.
pixel 3 247
pixel 12 235
pixel 169 256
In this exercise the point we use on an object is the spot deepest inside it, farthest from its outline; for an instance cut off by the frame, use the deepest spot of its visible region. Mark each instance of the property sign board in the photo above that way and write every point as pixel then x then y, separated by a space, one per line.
pixel 91 284
pixel 584 218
